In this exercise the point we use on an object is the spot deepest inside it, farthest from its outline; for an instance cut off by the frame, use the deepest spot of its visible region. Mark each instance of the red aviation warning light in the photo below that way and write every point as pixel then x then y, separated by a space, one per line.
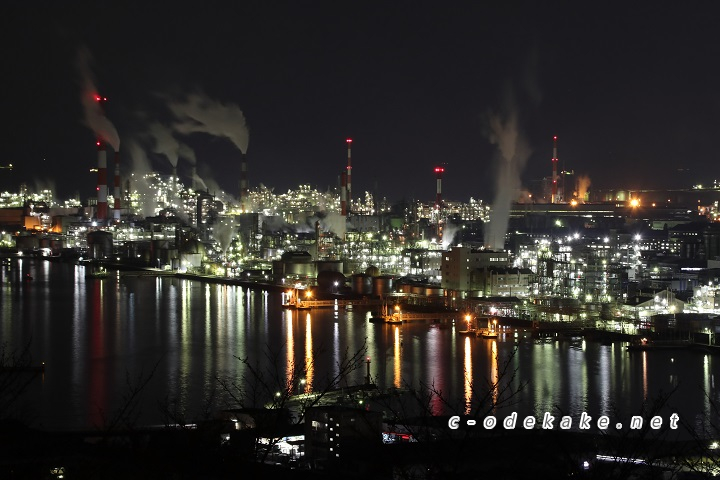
pixel 439 169
pixel 349 140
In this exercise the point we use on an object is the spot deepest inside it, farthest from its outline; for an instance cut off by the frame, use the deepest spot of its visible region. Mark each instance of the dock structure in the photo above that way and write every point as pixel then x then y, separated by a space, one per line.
pixel 405 317
pixel 545 329
pixel 340 302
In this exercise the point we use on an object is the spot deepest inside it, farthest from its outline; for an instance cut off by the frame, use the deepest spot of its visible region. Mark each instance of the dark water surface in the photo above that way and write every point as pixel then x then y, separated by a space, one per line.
pixel 96 336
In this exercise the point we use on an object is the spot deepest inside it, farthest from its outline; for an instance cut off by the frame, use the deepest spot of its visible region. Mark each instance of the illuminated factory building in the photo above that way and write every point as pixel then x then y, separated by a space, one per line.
pixel 561 249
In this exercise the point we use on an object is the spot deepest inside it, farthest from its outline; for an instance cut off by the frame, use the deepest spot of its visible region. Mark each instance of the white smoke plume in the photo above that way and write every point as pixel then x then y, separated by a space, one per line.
pixel 164 142
pixel 141 167
pixel 214 189
pixel 513 153
pixel 223 232
pixel 187 153
pixel 95 118
pixel 449 232
pixel 200 114
pixel 199 183
pixel 275 223
pixel 167 145
pixel 525 197
pixel 329 222
pixel 335 223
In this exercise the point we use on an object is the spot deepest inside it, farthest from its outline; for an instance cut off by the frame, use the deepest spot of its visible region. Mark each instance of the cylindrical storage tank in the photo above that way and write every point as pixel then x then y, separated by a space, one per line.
pixel 329 266
pixel 434 291
pixel 382 285
pixel 299 269
pixel 57 244
pixel 329 281
pixel 417 290
pixel 26 243
pixel 100 244
pixel 361 284
pixel 372 271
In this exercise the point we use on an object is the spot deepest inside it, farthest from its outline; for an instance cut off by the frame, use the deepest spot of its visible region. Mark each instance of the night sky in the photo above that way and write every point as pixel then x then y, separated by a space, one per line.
pixel 632 90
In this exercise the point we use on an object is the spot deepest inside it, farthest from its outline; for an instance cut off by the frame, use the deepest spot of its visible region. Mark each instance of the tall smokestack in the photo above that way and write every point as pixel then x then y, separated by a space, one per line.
pixel 243 183
pixel 554 198
pixel 349 176
pixel 102 205
pixel 438 190
pixel 116 190
pixel 343 194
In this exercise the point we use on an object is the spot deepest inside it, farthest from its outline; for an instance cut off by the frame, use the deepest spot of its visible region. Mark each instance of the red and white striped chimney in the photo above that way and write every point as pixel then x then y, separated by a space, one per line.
pixel 343 194
pixel 348 196
pixel 438 190
pixel 102 205
pixel 116 190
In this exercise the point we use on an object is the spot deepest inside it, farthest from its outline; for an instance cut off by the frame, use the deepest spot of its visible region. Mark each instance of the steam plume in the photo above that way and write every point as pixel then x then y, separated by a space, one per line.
pixel 141 167
pixel 583 184
pixel 187 153
pixel 200 114
pixel 166 144
pixel 513 155
pixel 449 233
pixel 223 232
pixel 95 119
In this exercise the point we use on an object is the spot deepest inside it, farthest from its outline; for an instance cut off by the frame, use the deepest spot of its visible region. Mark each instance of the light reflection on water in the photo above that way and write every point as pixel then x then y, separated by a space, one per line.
pixel 94 334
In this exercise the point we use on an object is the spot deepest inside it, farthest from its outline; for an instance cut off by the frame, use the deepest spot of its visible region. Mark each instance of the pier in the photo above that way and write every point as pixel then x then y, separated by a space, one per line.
pixel 404 317
pixel 339 302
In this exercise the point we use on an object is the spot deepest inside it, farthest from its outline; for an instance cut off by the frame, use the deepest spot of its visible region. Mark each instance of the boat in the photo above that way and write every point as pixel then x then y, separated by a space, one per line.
pixel 385 317
pixel 99 273
pixel 293 300
pixel 471 328
pixel 646 345
pixel 491 331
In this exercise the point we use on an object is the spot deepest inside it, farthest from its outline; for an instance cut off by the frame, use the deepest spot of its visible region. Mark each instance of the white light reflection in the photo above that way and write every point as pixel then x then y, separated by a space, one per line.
pixel 336 349
pixel 158 298
pixel 208 316
pixel 708 394
pixel 604 373
pixel 186 297
pixel 79 325
pixel 435 369
pixel 644 376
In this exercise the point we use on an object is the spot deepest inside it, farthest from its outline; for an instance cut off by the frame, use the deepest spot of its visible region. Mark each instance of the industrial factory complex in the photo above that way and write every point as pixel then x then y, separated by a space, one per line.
pixel 568 254
pixel 623 264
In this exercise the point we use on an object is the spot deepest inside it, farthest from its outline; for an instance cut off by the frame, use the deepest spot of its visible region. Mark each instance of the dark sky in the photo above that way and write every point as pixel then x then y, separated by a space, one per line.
pixel 632 89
